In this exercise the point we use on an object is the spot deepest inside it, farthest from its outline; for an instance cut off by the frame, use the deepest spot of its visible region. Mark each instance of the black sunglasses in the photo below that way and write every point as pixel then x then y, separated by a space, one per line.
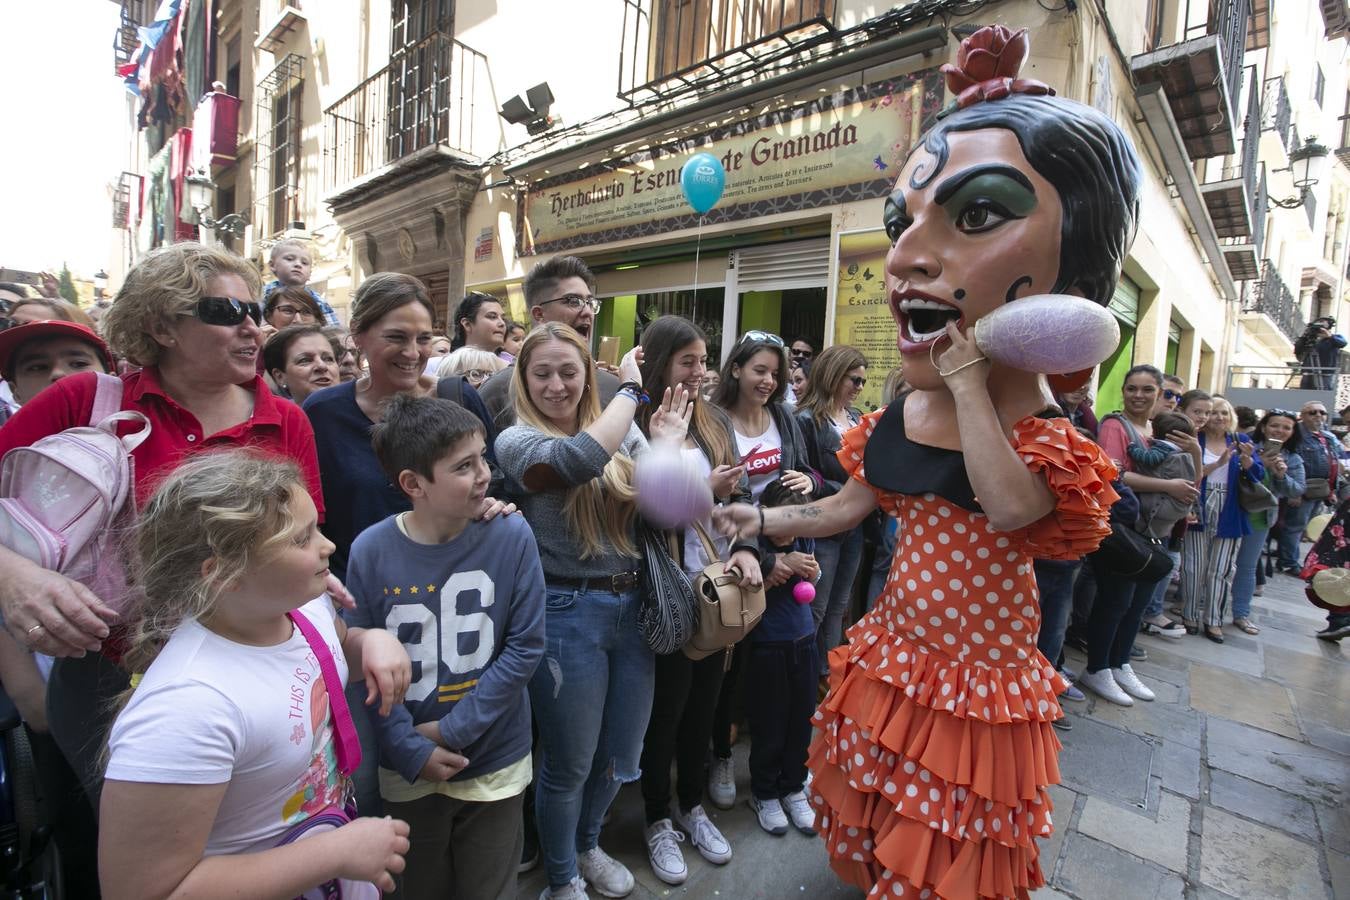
pixel 858 381
pixel 803 354
pixel 1171 394
pixel 227 311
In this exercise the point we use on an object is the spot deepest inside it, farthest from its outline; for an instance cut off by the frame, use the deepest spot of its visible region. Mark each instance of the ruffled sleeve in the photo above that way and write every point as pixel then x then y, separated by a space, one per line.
pixel 1080 475
pixel 852 446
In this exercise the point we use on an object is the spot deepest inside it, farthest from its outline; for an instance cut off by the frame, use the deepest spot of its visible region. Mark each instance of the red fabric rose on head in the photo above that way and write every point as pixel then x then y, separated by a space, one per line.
pixel 987 64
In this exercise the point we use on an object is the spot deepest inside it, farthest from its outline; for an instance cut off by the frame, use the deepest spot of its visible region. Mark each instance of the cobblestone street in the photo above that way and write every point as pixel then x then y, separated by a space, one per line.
pixel 1232 784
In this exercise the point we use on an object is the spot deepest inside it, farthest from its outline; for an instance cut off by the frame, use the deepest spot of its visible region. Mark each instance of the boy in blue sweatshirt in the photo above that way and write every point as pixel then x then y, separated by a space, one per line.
pixel 466 599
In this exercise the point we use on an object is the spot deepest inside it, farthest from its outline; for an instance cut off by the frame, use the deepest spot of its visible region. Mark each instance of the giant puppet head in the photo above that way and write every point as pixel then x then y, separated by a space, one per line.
pixel 1013 193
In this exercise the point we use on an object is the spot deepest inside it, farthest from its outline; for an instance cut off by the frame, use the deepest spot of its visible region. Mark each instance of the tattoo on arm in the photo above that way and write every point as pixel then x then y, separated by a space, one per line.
pixel 810 511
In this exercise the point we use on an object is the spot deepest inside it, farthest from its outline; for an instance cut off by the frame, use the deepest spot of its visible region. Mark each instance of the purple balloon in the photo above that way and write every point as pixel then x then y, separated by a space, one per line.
pixel 671 492
pixel 1052 334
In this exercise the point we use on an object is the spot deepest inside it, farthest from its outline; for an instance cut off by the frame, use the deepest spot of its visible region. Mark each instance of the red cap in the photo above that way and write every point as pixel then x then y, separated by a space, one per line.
pixel 11 339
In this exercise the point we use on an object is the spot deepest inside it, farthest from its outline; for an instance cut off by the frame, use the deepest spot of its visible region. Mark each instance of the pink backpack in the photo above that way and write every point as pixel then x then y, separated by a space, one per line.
pixel 66 499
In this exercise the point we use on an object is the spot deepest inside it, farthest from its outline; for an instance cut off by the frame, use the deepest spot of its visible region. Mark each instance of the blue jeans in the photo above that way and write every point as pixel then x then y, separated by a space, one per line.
pixel 591 696
pixel 1054 582
pixel 1155 603
pixel 838 558
pixel 1291 533
pixel 1244 579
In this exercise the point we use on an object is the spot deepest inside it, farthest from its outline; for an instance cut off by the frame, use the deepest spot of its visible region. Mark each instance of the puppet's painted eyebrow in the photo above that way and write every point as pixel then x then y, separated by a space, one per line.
pixel 949 187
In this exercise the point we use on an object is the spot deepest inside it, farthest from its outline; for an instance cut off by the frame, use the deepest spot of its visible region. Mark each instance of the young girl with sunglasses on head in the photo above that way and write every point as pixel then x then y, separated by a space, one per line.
pixel 237 731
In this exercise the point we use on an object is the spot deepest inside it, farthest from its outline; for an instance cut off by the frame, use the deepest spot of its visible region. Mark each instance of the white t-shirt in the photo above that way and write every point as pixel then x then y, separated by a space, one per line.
pixel 209 711
pixel 695 559
pixel 761 466
pixel 1219 477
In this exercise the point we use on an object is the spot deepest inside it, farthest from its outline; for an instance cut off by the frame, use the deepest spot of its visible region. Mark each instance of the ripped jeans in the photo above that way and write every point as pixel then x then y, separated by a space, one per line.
pixel 592 697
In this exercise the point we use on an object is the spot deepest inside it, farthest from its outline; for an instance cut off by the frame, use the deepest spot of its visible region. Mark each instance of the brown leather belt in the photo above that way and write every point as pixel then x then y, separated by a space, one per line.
pixel 615 584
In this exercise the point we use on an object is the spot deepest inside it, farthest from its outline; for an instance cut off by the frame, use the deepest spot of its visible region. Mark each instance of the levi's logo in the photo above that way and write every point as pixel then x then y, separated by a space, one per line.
pixel 764 461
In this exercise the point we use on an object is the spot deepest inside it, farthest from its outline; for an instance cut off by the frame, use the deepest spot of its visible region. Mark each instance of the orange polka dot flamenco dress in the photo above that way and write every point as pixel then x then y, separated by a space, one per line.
pixel 934 745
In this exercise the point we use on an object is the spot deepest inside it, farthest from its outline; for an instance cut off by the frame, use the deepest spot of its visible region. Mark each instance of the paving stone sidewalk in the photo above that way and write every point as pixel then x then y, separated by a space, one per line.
pixel 1232 785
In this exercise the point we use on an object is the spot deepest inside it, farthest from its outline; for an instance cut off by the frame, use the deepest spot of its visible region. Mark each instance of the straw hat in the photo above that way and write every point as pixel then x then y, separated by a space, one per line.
pixel 1333 586
pixel 1316 525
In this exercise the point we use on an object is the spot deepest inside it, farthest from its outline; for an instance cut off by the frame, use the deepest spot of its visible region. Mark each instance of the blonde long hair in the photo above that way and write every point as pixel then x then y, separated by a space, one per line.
pixel 601 511
pixel 232 506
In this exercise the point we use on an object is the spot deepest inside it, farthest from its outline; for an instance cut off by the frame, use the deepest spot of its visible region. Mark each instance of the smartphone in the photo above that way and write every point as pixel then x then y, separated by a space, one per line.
pixel 1271 446
pixel 609 350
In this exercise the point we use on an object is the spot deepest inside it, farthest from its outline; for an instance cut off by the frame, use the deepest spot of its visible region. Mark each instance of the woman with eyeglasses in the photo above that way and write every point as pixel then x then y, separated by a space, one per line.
pixel 1276 437
pixel 391 325
pixel 769 445
pixel 825 412
pixel 473 364
pixel 291 306
pixel 189 316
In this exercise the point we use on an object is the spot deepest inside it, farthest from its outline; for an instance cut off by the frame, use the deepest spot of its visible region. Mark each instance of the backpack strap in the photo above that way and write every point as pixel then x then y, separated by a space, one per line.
pixel 451 388
pixel 348 745
pixel 107 398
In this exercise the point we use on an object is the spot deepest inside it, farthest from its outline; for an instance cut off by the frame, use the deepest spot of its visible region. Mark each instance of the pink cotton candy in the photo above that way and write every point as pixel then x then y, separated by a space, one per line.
pixel 1052 334
pixel 671 493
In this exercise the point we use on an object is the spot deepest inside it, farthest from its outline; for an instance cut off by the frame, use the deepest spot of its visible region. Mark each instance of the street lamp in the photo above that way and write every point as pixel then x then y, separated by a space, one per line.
pixel 1308 164
pixel 100 284
pixel 201 193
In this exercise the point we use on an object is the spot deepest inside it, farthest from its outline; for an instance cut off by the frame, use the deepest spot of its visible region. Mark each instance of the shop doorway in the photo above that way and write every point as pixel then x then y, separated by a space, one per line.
pixel 779 288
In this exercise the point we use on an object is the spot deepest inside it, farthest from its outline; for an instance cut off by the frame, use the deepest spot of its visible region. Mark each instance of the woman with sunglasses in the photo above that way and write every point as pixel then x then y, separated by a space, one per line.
pixel 769 444
pixel 1276 437
pixel 825 412
pixel 187 315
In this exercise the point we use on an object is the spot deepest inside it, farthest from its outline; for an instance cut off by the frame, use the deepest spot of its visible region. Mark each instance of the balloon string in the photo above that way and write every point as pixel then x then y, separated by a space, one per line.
pixel 698 243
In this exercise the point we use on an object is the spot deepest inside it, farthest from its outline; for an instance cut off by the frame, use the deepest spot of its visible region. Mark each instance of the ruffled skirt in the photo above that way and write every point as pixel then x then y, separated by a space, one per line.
pixel 930 775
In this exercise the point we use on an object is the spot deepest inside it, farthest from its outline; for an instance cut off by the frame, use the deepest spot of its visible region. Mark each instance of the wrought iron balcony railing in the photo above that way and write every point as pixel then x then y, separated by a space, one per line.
pixel 1271 297
pixel 1277 113
pixel 675 44
pixel 425 97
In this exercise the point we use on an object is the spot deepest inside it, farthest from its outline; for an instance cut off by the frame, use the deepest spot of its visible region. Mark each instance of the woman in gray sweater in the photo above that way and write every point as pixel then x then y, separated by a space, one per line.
pixel 570 464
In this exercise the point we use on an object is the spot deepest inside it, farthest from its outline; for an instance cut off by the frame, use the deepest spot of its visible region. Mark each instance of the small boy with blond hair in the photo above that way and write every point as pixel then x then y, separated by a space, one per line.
pixel 291 263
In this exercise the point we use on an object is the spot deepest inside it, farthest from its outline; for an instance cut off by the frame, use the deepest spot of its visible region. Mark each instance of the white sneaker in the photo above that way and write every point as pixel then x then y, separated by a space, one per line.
pixel 663 852
pixel 1104 685
pixel 1130 683
pixel 770 814
pixel 800 812
pixel 704 835
pixel 722 783
pixel 607 875
pixel 573 890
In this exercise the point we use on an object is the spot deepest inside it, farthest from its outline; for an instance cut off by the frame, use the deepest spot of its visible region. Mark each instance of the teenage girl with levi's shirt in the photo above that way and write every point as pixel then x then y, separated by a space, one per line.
pixel 753 382
pixel 236 736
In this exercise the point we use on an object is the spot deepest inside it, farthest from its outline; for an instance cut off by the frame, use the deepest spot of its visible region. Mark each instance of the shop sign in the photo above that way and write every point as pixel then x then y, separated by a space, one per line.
pixel 862 317
pixel 482 246
pixel 835 149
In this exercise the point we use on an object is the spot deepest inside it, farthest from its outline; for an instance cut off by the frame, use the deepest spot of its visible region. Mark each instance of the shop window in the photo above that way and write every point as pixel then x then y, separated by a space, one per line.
pixel 703 308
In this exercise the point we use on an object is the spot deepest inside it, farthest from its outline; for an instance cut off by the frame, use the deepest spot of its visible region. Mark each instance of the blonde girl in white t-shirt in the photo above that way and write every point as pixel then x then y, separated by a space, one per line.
pixel 227 741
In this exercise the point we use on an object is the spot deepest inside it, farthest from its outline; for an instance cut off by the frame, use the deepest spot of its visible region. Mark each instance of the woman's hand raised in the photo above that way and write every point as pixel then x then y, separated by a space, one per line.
pixel 670 422
pixel 630 367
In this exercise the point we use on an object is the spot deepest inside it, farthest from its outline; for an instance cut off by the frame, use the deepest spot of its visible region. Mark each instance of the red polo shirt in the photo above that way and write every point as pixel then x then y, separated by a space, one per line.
pixel 277 425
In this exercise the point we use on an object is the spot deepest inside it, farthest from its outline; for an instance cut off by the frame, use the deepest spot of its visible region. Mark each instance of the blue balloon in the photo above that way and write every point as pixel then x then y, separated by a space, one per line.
pixel 702 180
